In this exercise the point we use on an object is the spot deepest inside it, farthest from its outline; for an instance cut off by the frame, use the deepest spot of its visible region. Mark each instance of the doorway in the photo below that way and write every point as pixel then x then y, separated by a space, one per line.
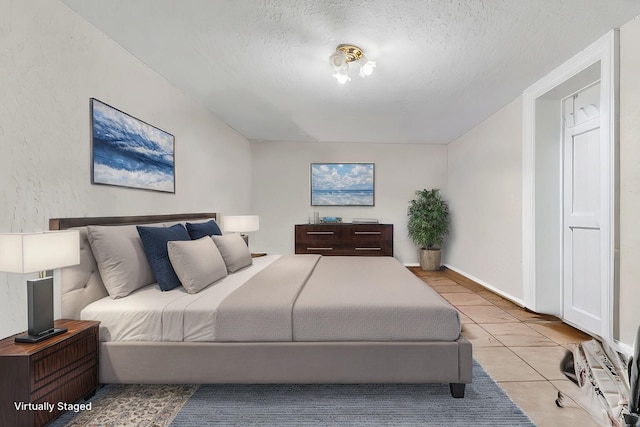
pixel 569 190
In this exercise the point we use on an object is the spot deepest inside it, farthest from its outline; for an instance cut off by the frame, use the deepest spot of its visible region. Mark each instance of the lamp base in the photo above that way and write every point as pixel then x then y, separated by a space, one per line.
pixel 32 339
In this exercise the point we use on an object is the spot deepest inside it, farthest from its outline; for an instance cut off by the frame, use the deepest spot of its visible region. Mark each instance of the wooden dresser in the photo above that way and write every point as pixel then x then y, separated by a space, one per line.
pixel 62 369
pixel 344 239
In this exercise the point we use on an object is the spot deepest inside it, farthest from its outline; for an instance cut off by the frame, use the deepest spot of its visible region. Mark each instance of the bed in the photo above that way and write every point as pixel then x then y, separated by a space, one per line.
pixel 281 319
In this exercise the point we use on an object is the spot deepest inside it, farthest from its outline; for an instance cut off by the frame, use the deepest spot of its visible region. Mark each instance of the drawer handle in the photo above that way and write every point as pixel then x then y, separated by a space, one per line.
pixel 319 232
pixel 319 249
pixel 368 249
pixel 367 232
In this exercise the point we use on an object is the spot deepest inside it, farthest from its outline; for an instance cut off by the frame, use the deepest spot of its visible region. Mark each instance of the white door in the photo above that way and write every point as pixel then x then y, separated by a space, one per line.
pixel 582 211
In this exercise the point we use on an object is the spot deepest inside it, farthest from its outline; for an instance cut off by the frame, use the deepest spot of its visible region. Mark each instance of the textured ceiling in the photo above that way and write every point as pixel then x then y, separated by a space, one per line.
pixel 443 66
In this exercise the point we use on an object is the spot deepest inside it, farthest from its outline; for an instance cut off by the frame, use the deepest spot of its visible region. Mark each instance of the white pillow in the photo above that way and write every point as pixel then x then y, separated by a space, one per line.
pixel 197 263
pixel 121 258
pixel 234 250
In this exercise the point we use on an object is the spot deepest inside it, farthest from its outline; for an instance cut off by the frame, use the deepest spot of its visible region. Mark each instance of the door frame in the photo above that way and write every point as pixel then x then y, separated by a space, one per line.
pixel 542 178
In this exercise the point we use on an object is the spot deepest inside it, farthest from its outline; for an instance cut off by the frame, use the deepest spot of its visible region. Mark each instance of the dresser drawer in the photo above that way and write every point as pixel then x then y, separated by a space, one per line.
pixel 319 234
pixel 369 233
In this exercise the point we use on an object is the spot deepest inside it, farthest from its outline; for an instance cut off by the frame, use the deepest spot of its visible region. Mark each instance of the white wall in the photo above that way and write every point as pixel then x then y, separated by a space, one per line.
pixel 629 290
pixel 484 186
pixel 281 195
pixel 51 63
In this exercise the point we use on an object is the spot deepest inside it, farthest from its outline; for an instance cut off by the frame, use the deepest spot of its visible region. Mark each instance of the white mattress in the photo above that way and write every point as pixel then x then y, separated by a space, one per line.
pixel 149 314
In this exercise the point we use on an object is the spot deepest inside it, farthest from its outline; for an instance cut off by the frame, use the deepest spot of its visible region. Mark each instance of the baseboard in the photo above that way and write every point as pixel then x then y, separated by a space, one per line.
pixel 623 348
pixel 458 274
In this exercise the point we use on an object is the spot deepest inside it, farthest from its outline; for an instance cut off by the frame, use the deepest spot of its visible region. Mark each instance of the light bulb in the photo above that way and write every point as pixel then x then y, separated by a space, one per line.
pixel 342 76
pixel 366 69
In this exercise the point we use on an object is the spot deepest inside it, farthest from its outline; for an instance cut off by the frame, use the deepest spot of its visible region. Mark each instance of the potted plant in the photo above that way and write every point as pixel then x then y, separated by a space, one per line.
pixel 428 224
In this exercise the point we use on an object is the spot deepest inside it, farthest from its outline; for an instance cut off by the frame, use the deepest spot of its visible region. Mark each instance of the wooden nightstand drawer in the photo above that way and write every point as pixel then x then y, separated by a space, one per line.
pixel 54 361
pixel 53 382
pixel 62 369
pixel 68 389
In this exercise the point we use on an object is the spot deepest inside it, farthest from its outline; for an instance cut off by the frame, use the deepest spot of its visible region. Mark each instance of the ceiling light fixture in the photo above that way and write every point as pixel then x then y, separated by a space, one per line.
pixel 344 54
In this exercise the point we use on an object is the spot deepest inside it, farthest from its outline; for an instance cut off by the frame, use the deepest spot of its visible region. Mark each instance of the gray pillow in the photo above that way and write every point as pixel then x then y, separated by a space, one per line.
pixel 234 251
pixel 197 263
pixel 121 258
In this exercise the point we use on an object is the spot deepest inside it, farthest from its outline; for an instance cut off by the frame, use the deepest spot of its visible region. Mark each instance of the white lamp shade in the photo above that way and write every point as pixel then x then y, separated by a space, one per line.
pixel 241 223
pixel 34 252
pixel 338 61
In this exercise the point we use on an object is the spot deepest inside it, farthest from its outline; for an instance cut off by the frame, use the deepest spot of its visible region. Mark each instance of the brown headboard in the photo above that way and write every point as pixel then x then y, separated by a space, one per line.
pixel 81 284
pixel 64 223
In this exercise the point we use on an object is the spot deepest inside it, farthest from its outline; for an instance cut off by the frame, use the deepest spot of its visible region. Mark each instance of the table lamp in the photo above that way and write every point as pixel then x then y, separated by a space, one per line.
pixel 241 224
pixel 39 252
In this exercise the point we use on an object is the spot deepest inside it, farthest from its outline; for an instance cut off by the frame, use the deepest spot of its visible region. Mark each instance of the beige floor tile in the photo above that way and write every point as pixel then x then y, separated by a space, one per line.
pixel 537 400
pixel 473 286
pixel 504 365
pixel 441 281
pixel 529 316
pixel 504 304
pixel 464 319
pixel 478 336
pixel 517 334
pixel 486 314
pixel 545 360
pixel 463 298
pixel 527 367
pixel 497 299
pixel 560 332
pixel 451 288
pixel 465 282
pixel 491 296
pixel 426 274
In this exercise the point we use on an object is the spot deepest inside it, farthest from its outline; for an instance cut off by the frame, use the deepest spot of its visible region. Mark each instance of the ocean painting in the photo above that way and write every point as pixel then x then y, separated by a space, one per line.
pixel 342 184
pixel 128 152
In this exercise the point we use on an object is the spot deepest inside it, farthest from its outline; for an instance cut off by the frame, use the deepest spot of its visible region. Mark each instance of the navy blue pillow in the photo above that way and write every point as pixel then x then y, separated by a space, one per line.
pixel 201 229
pixel 154 242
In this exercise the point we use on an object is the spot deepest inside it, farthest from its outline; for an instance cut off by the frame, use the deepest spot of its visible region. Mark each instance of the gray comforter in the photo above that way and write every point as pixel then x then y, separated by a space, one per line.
pixel 315 298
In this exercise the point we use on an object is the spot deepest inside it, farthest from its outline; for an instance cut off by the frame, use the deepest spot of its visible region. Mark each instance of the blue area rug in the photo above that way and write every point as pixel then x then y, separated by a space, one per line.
pixel 485 404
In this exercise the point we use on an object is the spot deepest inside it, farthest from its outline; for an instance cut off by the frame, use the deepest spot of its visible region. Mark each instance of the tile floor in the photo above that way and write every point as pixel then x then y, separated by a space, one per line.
pixel 521 350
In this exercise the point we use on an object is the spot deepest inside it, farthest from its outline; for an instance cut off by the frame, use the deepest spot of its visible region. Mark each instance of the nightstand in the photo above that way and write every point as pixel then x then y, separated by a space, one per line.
pixel 62 369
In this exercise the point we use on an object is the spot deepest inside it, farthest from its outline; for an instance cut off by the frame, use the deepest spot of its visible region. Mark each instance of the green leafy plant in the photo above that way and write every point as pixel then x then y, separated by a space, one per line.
pixel 428 219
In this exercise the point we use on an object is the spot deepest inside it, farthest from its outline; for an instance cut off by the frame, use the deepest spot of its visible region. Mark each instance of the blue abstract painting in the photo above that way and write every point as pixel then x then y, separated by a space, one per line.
pixel 129 152
pixel 342 184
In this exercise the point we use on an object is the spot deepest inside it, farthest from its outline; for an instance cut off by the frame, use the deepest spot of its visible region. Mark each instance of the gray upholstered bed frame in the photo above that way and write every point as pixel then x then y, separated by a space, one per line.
pixel 259 362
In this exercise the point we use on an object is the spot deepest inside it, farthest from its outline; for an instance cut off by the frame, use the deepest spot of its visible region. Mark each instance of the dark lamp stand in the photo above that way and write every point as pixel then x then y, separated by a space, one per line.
pixel 40 306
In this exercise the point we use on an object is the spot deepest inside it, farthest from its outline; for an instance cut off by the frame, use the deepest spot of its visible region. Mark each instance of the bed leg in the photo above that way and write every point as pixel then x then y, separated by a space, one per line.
pixel 457 390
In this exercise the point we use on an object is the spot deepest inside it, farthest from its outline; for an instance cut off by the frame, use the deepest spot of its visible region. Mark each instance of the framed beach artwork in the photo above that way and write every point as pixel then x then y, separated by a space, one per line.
pixel 342 184
pixel 128 152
